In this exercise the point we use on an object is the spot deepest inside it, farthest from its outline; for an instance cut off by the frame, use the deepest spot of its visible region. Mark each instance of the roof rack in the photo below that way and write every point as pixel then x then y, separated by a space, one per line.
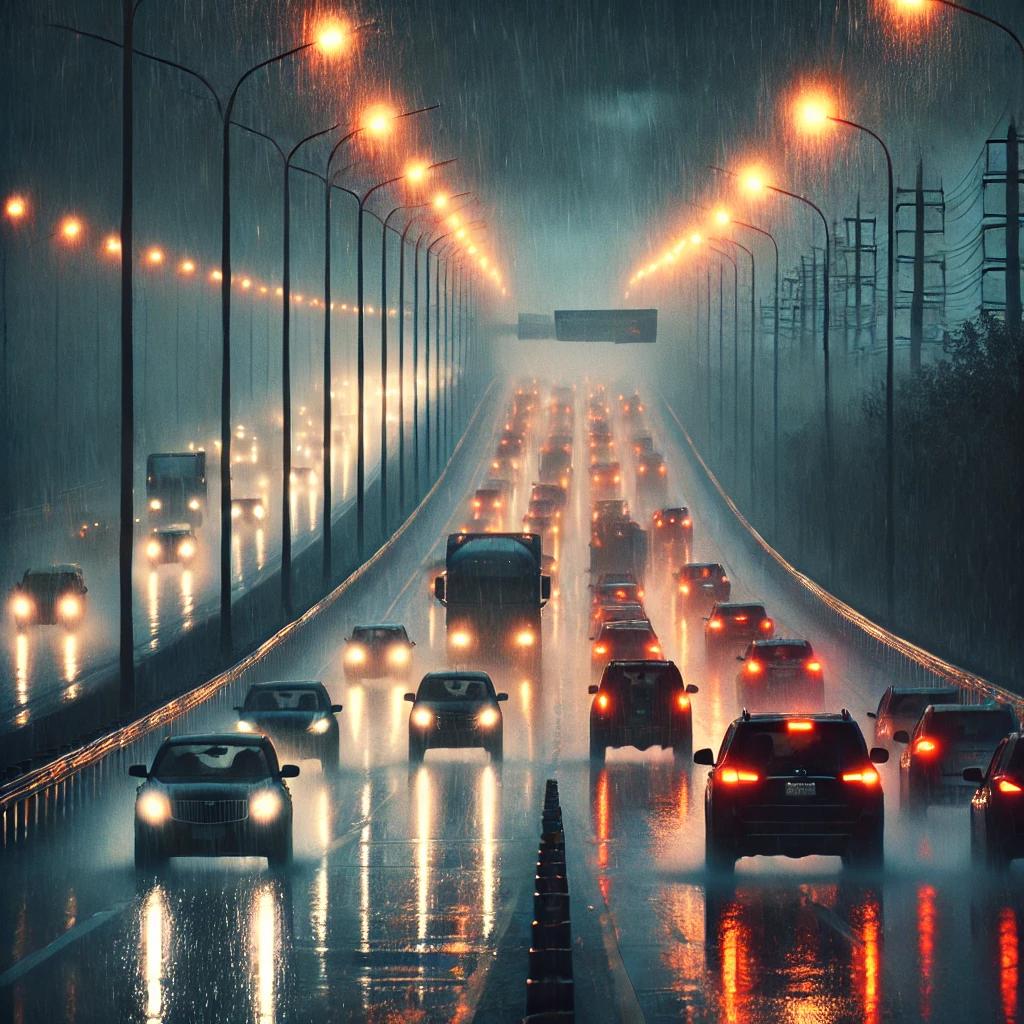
pixel 745 715
pixel 845 713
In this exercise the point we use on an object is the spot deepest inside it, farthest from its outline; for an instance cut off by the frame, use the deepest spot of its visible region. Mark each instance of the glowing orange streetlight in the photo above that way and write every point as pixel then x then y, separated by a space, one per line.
pixel 216 275
pixel 155 256
pixel 813 112
pixel 378 120
pixel 186 267
pixel 71 229
pixel 695 238
pixel 753 181
pixel 440 201
pixel 721 217
pixel 246 283
pixel 332 37
pixel 15 208
pixel 415 173
pixel 112 245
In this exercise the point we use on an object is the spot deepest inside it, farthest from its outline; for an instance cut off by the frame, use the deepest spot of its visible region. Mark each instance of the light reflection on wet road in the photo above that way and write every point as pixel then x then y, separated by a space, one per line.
pixel 410 899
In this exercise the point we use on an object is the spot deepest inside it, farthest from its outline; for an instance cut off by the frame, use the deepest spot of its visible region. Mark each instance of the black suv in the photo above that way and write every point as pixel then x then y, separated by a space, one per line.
pixel 997 807
pixel 455 709
pixel 793 785
pixel 641 704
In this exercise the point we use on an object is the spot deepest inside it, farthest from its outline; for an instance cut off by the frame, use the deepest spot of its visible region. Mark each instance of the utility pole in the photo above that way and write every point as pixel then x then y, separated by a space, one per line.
pixel 1013 307
pixel 917 294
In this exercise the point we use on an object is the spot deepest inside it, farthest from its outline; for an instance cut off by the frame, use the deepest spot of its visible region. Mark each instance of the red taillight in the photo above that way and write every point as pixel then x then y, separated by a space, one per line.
pixel 1008 786
pixel 767 625
pixel 925 746
pixel 684 588
pixel 687 522
pixel 476 503
pixel 659 524
pixel 683 702
pixel 603 701
pixel 620 594
pixel 867 777
pixel 642 470
pixel 601 649
pixel 715 624
pixel 724 579
pixel 662 470
pixel 814 666
pixel 654 648
pixel 753 668
pixel 731 776
pixel 799 725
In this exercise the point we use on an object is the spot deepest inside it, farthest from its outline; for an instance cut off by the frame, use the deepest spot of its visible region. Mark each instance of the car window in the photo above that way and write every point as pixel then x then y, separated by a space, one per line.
pixel 975 726
pixel 773 748
pixel 906 704
pixel 188 762
pixel 641 679
pixel 783 652
pixel 454 688
pixel 741 612
pixel 372 635
pixel 285 700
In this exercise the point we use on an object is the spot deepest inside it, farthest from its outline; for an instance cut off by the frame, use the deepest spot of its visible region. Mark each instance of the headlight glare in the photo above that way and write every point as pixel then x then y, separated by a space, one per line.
pixel 155 504
pixel 186 549
pixel 21 606
pixel 70 607
pixel 488 718
pixel 422 717
pixel 153 807
pixel 399 655
pixel 355 655
pixel 153 549
pixel 318 726
pixel 265 806
pixel 460 638
pixel 244 726
pixel 194 504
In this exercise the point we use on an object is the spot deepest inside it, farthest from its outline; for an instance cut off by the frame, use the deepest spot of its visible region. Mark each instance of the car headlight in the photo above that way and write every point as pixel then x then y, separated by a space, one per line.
pixel 422 717
pixel 194 504
pixel 244 726
pixel 318 726
pixel 235 511
pixel 153 808
pixel 259 511
pixel 398 655
pixel 488 718
pixel 21 606
pixel 355 655
pixel 155 504
pixel 186 549
pixel 265 806
pixel 153 549
pixel 460 638
pixel 70 607
pixel 525 638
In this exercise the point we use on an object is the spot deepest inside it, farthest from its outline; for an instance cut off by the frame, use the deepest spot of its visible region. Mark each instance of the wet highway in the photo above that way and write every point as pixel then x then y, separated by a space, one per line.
pixel 409 898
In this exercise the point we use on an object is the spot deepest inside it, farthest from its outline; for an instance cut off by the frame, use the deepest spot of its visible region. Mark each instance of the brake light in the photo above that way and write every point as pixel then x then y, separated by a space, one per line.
pixel 643 469
pixel 1006 786
pixel 867 777
pixel 659 524
pixel 799 725
pixel 925 746
pixel 620 594
pixel 603 701
pixel 476 503
pixel 687 522
pixel 601 649
pixel 767 625
pixel 662 470
pixel 753 668
pixel 814 666
pixel 683 702
pixel 715 624
pixel 731 776
pixel 684 588
pixel 654 648
pixel 724 579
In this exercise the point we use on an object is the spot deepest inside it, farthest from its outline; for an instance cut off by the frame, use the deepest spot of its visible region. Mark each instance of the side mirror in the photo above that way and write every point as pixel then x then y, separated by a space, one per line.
pixel 138 771
pixel 439 588
pixel 705 756
pixel 871 714
pixel 335 708
pixel 289 771
pixel 592 689
pixel 901 736
pixel 85 590
pixel 412 643
pixel 974 775
pixel 545 588
pixel 739 657
pixel 410 697
pixel 690 688
pixel 501 696
pixel 878 755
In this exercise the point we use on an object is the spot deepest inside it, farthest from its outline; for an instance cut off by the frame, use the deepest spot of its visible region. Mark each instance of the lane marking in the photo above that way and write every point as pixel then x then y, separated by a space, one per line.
pixel 72 935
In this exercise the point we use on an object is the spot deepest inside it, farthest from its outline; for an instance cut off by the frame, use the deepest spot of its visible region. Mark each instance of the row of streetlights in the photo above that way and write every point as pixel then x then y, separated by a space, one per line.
pixel 815 113
pixel 331 39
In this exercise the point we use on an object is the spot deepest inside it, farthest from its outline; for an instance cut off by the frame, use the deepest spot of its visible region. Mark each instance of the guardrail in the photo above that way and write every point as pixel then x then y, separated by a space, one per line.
pixel 859 627
pixel 550 989
pixel 59 770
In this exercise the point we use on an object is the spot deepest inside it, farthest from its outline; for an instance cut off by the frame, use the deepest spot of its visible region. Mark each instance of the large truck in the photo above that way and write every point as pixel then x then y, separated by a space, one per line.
pixel 176 487
pixel 619 545
pixel 493 590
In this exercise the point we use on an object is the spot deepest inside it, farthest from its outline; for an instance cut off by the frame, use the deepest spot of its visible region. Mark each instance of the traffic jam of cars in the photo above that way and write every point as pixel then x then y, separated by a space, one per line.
pixel 793 774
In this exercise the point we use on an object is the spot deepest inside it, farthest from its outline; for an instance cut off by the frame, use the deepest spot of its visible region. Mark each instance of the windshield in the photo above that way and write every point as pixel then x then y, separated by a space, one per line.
pixel 454 688
pixel 376 634
pixel 782 652
pixel 285 700
pixel 985 727
pixel 203 762
pixel 774 749
pixel 49 582
pixel 702 572
pixel 170 468
pixel 906 704
pixel 741 612
pixel 641 681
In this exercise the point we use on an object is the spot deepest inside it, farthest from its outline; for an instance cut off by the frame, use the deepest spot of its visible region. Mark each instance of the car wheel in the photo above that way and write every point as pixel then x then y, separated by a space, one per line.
pixel 598 747
pixel 417 750
pixel 718 856
pixel 912 796
pixel 147 854
pixel 330 759
pixel 279 853
pixel 496 749
pixel 867 853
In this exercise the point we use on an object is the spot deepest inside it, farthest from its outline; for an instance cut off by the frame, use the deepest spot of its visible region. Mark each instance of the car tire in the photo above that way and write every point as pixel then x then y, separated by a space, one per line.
pixel 718 856
pixel 147 854
pixel 598 747
pixel 866 853
pixel 912 797
pixel 417 751
pixel 279 854
pixel 330 759
pixel 496 749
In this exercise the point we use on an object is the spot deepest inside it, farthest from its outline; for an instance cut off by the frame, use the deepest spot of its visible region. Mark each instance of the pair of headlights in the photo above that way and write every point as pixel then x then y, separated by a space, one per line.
pixel 154 807
pixel 487 719
pixel 315 728
pixel 397 655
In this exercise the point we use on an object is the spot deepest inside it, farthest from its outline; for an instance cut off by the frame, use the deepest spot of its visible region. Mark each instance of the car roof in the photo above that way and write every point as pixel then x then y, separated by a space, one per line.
pixel 379 625
pixel 220 739
pixel 60 567
pixel 952 709
pixel 785 716
pixel 703 565
pixel 669 509
pixel 629 624
pixel 735 605
pixel 287 684
pixel 455 674
pixel 639 663
pixel 782 641
pixel 923 690
pixel 173 528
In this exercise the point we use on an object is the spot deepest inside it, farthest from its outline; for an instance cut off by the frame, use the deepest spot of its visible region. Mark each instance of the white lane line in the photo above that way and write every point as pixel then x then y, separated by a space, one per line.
pixel 40 956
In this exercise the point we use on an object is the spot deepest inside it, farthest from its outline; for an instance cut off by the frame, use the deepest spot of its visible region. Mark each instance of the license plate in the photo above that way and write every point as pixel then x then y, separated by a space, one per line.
pixel 799 789
pixel 207 831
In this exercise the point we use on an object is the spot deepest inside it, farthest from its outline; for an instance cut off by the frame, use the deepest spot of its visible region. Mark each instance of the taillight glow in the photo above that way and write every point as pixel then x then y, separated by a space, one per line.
pixel 715 624
pixel 767 625
pixel 867 777
pixel 814 666
pixel 753 668
pixel 654 648
pixel 683 702
pixel 684 588
pixel 731 776
pixel 1006 786
pixel 925 746
pixel 799 725
pixel 603 701
pixel 687 522
pixel 601 649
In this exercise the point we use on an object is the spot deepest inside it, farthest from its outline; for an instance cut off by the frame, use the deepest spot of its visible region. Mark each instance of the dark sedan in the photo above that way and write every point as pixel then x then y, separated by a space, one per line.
pixel 455 709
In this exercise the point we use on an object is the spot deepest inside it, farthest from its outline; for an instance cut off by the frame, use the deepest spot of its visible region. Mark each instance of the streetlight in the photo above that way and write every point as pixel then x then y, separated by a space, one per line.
pixel 754 182
pixel 814 115
pixel 914 7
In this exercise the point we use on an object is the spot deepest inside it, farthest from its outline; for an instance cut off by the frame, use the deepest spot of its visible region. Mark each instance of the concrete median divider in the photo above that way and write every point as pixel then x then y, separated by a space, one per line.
pixel 550 992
